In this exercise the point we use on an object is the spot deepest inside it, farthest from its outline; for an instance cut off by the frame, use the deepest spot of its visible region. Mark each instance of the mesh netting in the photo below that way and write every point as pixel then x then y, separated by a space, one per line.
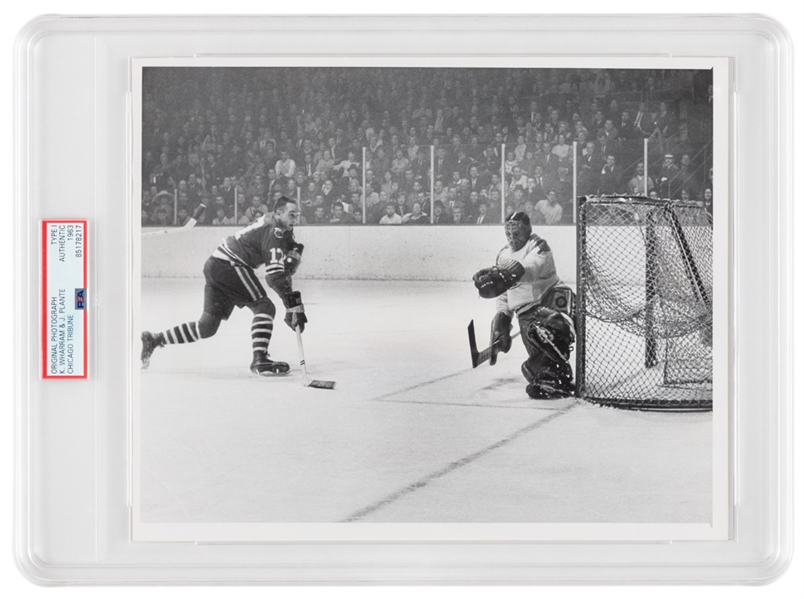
pixel 645 289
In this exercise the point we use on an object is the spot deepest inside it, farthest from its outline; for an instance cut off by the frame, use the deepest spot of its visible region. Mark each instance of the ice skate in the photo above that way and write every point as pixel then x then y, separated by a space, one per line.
pixel 149 343
pixel 548 391
pixel 265 366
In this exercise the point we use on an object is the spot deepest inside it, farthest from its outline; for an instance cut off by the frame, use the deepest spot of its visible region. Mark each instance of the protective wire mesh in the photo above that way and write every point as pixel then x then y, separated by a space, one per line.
pixel 645 308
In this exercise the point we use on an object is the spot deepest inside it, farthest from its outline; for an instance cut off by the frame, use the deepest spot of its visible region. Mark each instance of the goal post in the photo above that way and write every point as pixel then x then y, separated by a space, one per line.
pixel 644 319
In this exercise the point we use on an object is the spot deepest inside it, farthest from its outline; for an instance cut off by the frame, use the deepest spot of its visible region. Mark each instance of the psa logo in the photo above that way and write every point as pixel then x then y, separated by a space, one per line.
pixel 80 299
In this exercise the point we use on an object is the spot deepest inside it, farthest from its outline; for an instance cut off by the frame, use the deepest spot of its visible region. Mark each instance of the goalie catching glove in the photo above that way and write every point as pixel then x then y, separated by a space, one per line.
pixel 294 311
pixel 494 281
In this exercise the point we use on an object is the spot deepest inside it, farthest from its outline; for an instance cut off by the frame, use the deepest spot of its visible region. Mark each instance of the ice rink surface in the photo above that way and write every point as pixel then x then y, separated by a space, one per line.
pixel 411 433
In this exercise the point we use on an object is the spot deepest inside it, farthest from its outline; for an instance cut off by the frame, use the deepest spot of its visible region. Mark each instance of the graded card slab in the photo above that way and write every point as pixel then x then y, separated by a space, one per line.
pixel 177 462
pixel 64 299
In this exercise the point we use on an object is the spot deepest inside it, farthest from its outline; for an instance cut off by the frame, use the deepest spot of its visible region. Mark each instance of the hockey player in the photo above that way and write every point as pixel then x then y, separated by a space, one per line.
pixel 231 281
pixel 525 283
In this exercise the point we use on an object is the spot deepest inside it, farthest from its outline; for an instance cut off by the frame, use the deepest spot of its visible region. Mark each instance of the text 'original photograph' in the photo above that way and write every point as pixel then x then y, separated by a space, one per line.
pixel 439 301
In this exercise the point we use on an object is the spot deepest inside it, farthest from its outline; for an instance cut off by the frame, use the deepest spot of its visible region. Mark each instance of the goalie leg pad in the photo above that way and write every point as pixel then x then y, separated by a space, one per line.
pixel 548 338
pixel 548 332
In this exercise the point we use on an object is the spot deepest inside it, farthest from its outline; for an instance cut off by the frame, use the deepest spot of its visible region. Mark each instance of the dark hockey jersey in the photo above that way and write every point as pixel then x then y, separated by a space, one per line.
pixel 259 243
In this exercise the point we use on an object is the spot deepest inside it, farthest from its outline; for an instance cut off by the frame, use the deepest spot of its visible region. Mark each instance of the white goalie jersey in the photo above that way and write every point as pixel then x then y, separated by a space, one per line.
pixel 540 275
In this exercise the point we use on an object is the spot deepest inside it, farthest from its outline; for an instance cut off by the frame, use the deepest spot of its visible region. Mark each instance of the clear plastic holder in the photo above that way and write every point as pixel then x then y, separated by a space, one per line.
pixel 75 440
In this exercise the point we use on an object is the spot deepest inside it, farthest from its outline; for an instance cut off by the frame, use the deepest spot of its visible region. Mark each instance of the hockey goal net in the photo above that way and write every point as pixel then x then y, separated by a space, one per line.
pixel 644 304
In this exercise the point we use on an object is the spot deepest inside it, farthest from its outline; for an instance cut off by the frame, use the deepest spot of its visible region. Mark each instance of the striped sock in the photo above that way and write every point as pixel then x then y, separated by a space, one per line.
pixel 183 333
pixel 262 327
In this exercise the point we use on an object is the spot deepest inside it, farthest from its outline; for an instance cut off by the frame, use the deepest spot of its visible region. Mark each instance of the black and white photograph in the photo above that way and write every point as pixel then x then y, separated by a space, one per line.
pixel 418 299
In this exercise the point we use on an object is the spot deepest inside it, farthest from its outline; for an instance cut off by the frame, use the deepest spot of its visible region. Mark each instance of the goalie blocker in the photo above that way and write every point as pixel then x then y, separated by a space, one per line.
pixel 524 282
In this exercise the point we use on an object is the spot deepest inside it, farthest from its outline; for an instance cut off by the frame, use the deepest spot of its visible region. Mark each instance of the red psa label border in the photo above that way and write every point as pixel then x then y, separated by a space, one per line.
pixel 64 299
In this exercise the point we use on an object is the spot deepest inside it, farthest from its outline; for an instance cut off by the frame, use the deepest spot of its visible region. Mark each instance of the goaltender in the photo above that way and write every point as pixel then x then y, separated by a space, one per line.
pixel 525 283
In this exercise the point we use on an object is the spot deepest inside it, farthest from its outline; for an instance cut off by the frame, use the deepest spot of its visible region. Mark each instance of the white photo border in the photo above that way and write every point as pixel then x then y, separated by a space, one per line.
pixel 722 415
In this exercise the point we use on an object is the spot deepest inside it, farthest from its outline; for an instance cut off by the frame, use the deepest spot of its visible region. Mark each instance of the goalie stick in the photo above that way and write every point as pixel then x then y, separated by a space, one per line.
pixel 478 357
pixel 305 379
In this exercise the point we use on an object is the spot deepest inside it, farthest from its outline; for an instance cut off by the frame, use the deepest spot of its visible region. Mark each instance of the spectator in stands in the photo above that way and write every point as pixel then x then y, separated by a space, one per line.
pixel 402 204
pixel 520 148
pixel 228 191
pixel 439 215
pixel 291 190
pixel 307 167
pixel 707 200
pixel 329 194
pixel 538 190
pixel 345 166
pixel 610 177
pixel 257 188
pixel 589 168
pixel 550 160
pixel 687 177
pixel 399 164
pixel 484 217
pixel 664 124
pixel 597 122
pixel 509 210
pixel 325 164
pixel 518 179
pixel 643 124
pixel 162 217
pixel 256 210
pixel 387 183
pixel 391 217
pixel 285 167
pixel 271 182
pixel 561 150
pixel 457 215
pixel 416 216
pixel 495 183
pixel 221 219
pixel 550 209
pixel 668 184
pixel 489 162
pixel 183 217
pixel 340 216
pixel 636 186
pixel 684 195
pixel 439 192
pixel 352 201
pixel 625 129
pixel 528 164
pixel 510 162
pixel 608 134
pixel 406 184
pixel 319 216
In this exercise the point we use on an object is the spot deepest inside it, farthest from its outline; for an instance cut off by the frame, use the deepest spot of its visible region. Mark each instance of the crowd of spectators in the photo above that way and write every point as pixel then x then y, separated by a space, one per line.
pixel 468 145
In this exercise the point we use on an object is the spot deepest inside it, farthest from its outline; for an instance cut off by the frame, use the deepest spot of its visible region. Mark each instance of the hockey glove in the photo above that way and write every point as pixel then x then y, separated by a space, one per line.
pixel 494 281
pixel 294 311
pixel 293 259
pixel 500 336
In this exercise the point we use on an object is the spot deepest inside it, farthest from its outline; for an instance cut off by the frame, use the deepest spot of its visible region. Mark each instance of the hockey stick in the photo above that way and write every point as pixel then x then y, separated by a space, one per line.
pixel 305 379
pixel 478 357
pixel 197 213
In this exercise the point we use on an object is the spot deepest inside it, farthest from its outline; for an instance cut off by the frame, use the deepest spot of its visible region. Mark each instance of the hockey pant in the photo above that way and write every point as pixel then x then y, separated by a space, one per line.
pixel 548 338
